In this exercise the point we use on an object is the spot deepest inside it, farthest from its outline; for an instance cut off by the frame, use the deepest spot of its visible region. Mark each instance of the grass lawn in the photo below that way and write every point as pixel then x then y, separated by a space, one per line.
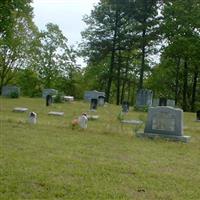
pixel 49 160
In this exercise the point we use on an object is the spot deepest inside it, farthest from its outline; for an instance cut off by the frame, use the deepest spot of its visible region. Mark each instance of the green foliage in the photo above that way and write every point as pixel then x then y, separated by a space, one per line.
pixel 29 82
pixel 16 34
pixel 58 98
pixel 55 58
pixel 118 38
pixel 14 94
pixel 120 116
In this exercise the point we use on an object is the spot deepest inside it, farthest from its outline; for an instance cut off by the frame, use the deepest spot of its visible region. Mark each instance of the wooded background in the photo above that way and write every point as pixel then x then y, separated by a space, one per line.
pixel 127 45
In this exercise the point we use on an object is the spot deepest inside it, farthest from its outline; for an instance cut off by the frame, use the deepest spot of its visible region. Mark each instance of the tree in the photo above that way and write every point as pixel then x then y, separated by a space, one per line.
pixel 182 33
pixel 55 58
pixel 16 34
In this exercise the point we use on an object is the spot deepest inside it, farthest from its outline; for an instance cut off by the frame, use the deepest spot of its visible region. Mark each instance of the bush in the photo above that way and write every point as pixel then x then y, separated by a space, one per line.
pixel 58 98
pixel 14 94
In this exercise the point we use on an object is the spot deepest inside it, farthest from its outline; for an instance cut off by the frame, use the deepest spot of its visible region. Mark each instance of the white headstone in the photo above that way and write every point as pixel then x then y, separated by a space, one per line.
pixel 83 121
pixel 32 118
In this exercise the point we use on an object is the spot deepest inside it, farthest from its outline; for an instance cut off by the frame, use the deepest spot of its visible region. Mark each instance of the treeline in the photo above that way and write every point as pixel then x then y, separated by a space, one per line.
pixel 121 43
pixel 123 39
pixel 34 59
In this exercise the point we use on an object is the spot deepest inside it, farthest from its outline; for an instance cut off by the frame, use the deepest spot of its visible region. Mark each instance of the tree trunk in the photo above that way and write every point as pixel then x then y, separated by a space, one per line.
pixel 118 79
pixel 185 84
pixel 112 61
pixel 143 60
pixel 196 73
pixel 143 47
pixel 177 80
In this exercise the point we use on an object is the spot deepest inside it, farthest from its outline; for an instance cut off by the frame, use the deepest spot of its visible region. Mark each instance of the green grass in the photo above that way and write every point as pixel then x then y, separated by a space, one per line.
pixel 49 160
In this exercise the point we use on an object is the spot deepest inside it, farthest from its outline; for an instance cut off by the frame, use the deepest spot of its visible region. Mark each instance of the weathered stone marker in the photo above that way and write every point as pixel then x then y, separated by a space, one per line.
pixel 165 122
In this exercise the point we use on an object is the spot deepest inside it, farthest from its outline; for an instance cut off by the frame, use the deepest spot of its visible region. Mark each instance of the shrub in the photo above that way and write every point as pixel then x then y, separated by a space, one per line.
pixel 58 98
pixel 14 94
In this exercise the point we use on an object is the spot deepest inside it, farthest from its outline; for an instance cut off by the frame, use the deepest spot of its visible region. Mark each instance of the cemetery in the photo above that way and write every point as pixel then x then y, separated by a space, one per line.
pixel 104 145
pixel 100 101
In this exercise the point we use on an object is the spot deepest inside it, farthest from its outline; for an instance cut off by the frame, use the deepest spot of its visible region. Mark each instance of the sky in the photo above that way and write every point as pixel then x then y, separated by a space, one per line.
pixel 67 14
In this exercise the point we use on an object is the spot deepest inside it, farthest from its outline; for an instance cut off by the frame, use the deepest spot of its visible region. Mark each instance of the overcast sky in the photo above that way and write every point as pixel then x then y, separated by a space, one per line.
pixel 67 14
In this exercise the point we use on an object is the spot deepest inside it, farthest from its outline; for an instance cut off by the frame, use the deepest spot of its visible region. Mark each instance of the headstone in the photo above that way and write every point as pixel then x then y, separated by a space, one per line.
pixel 166 122
pixel 83 121
pixel 125 106
pixel 68 98
pixel 49 100
pixel 49 91
pixel 144 98
pixel 198 115
pixel 88 95
pixel 19 109
pixel 162 102
pixel 10 91
pixel 93 104
pixel 32 118
pixel 101 100
pixel 155 102
pixel 170 102
pixel 93 117
pixel 56 113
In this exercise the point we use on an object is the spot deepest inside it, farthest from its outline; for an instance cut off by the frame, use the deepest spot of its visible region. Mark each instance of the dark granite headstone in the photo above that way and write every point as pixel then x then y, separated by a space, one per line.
pixel 125 106
pixel 198 115
pixel 49 100
pixel 162 102
pixel 93 104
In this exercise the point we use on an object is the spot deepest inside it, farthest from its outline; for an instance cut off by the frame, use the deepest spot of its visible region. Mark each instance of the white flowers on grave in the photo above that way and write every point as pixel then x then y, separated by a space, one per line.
pixel 32 118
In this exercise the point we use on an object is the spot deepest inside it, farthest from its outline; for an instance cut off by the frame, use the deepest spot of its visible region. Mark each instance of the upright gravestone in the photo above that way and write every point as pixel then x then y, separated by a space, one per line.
pixel 88 95
pixel 144 98
pixel 49 91
pixel 171 102
pixel 198 115
pixel 49 100
pixel 166 122
pixel 32 118
pixel 162 102
pixel 125 106
pixel 93 104
pixel 101 100
pixel 10 91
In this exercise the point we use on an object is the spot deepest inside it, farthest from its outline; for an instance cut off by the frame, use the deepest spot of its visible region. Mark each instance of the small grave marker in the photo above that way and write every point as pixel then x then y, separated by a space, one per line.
pixel 56 113
pixel 32 118
pixel 198 115
pixel 49 100
pixel 93 104
pixel 125 106
pixel 19 109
